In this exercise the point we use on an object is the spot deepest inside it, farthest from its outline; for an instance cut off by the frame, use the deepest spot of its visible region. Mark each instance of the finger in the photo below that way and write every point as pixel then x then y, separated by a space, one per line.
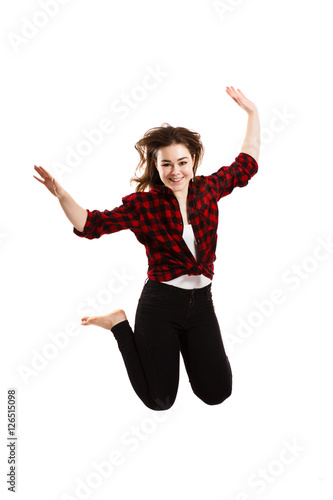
pixel 38 179
pixel 45 171
pixel 233 92
pixel 41 172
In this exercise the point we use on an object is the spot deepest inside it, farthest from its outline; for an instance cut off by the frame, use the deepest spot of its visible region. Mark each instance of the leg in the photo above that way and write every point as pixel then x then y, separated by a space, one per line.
pixel 203 352
pixel 151 353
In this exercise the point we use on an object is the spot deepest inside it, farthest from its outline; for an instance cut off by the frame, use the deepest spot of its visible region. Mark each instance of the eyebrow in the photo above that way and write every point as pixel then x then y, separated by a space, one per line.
pixel 177 160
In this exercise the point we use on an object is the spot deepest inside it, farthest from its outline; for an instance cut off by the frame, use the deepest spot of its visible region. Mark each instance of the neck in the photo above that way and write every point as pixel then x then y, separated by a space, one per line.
pixel 181 196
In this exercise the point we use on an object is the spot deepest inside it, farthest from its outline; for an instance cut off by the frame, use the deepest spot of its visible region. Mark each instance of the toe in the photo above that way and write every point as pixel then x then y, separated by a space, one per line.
pixel 85 320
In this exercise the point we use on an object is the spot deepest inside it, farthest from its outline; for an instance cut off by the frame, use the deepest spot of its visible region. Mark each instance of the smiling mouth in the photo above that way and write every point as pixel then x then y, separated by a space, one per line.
pixel 176 180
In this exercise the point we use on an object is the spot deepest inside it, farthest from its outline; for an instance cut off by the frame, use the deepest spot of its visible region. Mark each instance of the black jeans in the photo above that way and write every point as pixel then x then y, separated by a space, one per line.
pixel 170 320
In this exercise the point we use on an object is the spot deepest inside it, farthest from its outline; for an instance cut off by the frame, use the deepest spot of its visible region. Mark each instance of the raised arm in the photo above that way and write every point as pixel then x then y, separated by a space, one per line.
pixel 74 212
pixel 251 144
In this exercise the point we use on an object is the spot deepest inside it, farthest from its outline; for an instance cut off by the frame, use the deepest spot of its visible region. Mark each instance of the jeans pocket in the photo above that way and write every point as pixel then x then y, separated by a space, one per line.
pixel 150 293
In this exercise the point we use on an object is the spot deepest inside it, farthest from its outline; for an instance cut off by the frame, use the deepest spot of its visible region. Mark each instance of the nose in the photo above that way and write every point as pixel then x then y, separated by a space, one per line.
pixel 176 169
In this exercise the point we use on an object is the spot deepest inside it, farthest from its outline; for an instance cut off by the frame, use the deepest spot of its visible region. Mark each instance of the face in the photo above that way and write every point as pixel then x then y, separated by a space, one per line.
pixel 175 167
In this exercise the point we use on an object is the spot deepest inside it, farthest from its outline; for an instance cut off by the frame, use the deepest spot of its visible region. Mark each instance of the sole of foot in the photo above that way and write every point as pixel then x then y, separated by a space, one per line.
pixel 107 321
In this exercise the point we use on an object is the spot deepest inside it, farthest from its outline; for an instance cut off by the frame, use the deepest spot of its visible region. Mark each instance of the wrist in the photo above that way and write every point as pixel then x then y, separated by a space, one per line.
pixel 62 196
pixel 253 111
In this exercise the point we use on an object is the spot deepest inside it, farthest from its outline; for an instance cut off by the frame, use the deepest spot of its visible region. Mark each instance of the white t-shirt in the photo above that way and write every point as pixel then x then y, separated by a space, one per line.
pixel 185 280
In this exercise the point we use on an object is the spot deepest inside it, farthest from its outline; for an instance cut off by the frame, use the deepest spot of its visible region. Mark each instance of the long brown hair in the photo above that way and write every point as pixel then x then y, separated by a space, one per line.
pixel 156 138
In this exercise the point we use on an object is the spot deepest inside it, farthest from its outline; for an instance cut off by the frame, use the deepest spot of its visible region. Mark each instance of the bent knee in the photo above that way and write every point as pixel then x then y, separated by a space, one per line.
pixel 163 404
pixel 215 398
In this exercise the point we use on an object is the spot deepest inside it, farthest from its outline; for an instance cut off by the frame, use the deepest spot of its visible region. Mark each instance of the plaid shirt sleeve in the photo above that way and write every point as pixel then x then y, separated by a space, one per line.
pixel 98 223
pixel 237 174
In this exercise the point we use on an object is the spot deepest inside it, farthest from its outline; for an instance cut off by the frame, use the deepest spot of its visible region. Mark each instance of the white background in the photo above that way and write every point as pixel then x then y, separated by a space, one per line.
pixel 67 67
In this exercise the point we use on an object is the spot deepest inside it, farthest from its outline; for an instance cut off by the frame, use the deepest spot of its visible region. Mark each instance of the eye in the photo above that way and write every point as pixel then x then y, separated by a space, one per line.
pixel 168 164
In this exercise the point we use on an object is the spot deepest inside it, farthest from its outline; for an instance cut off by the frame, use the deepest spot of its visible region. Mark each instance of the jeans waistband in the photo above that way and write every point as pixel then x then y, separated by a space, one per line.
pixel 176 290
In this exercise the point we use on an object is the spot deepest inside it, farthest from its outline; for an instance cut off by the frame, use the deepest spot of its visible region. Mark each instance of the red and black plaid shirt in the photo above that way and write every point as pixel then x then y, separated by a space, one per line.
pixel 154 217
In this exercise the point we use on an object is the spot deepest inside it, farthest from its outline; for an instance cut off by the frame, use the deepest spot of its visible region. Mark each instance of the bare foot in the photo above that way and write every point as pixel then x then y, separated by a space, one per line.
pixel 107 321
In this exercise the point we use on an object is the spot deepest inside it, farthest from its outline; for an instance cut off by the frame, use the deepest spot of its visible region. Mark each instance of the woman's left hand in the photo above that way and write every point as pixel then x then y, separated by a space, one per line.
pixel 241 100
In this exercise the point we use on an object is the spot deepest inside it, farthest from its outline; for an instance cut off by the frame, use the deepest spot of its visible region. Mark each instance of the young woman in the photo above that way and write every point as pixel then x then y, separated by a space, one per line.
pixel 176 219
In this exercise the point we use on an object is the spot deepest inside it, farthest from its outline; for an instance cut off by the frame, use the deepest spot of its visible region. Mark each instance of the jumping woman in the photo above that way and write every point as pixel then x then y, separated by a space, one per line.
pixel 174 214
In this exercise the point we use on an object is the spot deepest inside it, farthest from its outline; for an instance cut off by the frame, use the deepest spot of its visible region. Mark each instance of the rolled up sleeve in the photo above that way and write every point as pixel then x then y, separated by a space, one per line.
pixel 237 174
pixel 125 216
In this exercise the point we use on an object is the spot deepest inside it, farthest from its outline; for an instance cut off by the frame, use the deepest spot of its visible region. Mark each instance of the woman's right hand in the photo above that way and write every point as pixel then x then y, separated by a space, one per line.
pixel 52 185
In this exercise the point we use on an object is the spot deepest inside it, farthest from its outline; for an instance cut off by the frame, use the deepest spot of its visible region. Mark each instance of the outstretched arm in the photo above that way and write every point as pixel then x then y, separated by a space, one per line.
pixel 74 212
pixel 251 144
